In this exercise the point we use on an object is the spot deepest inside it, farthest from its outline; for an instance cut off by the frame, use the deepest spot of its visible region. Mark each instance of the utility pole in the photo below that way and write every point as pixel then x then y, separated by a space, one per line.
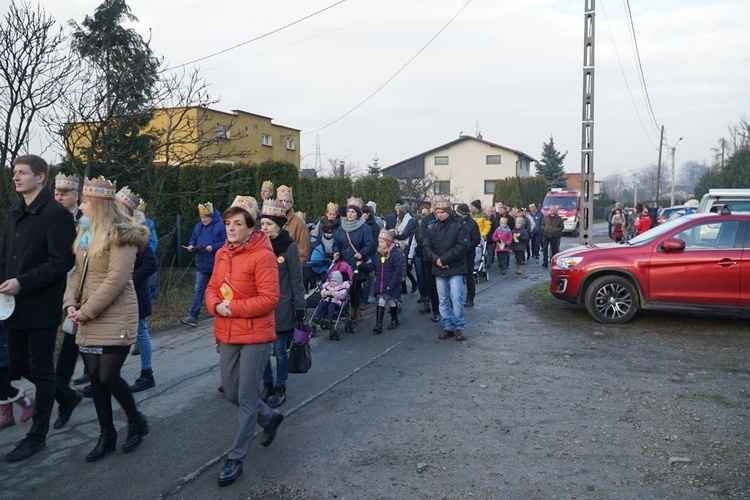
pixel 671 201
pixel 586 211
pixel 658 168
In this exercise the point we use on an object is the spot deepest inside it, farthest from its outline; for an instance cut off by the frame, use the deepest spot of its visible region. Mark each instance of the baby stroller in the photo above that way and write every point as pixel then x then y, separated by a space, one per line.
pixel 315 268
pixel 480 262
pixel 344 313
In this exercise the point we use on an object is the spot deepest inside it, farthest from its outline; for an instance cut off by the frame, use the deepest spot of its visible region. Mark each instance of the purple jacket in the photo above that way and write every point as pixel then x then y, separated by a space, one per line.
pixel 387 274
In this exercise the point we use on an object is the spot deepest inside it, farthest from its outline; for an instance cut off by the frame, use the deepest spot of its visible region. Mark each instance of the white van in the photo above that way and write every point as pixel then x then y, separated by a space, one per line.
pixel 738 200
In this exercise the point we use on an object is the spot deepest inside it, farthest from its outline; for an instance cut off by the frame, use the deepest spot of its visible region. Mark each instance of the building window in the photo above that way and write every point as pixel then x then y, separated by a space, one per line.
pixel 222 132
pixel 441 160
pixel 266 140
pixel 290 144
pixel 442 187
pixel 493 159
pixel 489 186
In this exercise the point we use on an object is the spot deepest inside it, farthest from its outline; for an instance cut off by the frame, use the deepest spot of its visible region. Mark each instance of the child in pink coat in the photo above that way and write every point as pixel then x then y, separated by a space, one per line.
pixel 503 238
pixel 332 295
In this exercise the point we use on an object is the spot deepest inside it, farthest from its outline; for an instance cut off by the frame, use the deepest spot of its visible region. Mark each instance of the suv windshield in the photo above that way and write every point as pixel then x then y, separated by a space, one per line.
pixel 564 202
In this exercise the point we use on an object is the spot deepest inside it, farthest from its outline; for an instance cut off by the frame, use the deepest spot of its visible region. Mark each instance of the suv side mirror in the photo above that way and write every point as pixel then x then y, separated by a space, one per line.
pixel 673 245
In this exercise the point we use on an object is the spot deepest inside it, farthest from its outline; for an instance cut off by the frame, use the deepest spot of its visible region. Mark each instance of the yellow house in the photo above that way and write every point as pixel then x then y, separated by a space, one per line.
pixel 198 135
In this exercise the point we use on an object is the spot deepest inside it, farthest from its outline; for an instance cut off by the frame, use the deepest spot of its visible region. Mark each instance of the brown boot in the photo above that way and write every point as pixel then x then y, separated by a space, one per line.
pixel 357 315
pixel 519 269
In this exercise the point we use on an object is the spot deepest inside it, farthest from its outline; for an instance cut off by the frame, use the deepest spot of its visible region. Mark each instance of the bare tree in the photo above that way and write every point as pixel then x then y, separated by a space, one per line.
pixel 420 190
pixel 646 179
pixel 690 174
pixel 34 72
pixel 338 167
pixel 615 186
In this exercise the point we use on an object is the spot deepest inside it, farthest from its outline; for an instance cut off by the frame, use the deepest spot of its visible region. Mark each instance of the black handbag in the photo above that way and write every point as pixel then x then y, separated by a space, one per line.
pixel 300 354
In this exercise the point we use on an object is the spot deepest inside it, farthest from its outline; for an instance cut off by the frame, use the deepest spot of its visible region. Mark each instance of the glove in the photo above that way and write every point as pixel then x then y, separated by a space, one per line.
pixel 299 315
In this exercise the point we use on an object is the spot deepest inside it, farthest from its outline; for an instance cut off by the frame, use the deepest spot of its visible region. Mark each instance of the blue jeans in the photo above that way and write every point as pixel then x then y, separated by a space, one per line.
pixel 201 282
pixel 282 361
pixel 450 294
pixel 144 344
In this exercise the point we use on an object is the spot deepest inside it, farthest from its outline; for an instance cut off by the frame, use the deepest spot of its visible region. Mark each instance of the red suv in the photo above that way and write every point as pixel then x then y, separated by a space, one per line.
pixel 697 262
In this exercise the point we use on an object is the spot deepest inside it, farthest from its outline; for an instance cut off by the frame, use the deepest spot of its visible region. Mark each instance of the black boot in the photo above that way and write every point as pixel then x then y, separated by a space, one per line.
pixel 267 391
pixel 137 428
pixel 144 381
pixel 379 320
pixel 107 444
pixel 279 396
pixel 403 287
pixel 394 319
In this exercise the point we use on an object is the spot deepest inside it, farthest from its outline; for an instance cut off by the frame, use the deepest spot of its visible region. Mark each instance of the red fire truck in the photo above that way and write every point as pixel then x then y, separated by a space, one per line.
pixel 568 204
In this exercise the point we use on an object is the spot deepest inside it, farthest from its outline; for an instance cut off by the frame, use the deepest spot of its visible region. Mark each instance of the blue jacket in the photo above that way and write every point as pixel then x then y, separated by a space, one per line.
pixel 387 274
pixel 362 241
pixel 145 265
pixel 213 235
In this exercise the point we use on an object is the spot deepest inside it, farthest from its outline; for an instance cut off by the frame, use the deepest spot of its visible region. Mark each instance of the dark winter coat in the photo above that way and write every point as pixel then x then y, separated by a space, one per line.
pixel 145 266
pixel 474 237
pixel 391 220
pixel 448 241
pixel 291 285
pixel 520 237
pixel 37 250
pixel 537 216
pixel 552 226
pixel 213 235
pixel 4 358
pixel 362 241
pixel 387 273
pixel 421 233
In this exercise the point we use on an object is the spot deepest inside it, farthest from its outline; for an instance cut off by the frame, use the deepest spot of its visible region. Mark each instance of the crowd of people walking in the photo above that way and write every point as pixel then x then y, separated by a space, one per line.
pixel 256 264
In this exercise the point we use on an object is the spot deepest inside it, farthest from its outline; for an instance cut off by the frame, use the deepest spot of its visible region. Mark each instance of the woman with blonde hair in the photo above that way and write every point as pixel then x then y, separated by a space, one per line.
pixel 100 299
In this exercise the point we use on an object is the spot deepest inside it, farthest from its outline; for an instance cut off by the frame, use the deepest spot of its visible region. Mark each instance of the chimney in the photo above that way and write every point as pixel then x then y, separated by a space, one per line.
pixel 479 136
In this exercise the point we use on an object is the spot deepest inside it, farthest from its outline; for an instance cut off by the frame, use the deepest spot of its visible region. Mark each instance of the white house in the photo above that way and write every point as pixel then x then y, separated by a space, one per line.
pixel 465 169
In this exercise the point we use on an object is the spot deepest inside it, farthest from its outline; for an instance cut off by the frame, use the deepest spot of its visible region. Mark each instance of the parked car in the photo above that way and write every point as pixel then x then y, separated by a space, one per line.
pixel 696 262
pixel 664 214
pixel 738 200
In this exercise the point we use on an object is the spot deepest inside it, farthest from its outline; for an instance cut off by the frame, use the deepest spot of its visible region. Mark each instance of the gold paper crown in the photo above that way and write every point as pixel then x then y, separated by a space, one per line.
pixel 267 185
pixel 142 206
pixel 332 206
pixel 63 181
pixel 129 198
pixel 441 203
pixel 205 208
pixel 99 188
pixel 357 202
pixel 246 203
pixel 275 208
pixel 302 215
pixel 284 193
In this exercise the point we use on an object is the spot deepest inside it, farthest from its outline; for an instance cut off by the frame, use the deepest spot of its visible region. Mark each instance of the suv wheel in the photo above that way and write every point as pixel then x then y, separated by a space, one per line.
pixel 612 300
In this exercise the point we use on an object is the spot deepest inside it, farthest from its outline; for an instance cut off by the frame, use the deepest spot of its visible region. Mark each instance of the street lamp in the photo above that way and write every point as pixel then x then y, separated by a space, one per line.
pixel 671 204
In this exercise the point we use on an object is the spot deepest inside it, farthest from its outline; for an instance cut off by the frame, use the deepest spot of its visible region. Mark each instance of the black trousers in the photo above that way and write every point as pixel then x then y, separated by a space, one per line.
pixel 550 246
pixel 66 365
pixel 471 287
pixel 431 287
pixel 536 242
pixel 32 355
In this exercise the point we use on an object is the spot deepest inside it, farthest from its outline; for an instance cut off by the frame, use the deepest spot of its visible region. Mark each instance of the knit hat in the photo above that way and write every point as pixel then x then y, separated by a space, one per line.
pixel 274 210
pixel 336 276
pixel 355 204
pixel 372 206
pixel 67 182
pixel 246 203
pixel 387 236
pixel 404 208
pixel 477 204
pixel 284 193
pixel 441 203
pixel 128 198
pixel 205 208
pixel 463 209
pixel 99 188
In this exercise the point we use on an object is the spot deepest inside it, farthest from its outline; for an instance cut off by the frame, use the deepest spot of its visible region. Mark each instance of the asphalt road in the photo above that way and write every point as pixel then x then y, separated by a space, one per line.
pixel 539 402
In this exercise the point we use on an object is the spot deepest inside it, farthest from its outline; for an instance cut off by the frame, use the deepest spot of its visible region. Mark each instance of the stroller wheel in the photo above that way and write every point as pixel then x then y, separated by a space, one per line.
pixel 332 334
pixel 348 326
pixel 338 334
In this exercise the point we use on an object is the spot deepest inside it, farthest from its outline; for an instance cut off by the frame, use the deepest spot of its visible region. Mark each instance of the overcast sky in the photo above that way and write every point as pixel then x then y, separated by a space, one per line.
pixel 509 69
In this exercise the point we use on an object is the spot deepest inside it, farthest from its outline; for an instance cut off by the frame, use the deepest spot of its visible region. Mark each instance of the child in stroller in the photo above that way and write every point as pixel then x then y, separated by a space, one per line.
pixel 332 296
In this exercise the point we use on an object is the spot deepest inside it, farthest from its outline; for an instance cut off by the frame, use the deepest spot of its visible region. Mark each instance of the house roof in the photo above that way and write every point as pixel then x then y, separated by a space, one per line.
pixel 460 139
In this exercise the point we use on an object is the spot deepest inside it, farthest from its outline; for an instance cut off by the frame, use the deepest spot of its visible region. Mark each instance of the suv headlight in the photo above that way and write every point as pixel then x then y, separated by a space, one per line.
pixel 568 262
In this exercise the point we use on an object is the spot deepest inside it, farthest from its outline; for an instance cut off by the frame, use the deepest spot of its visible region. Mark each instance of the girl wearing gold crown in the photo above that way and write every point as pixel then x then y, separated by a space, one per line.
pixel 101 299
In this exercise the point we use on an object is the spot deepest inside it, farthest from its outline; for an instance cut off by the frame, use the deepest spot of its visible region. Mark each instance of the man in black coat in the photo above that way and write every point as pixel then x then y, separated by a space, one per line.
pixel 445 247
pixel 475 239
pixel 35 257
pixel 392 218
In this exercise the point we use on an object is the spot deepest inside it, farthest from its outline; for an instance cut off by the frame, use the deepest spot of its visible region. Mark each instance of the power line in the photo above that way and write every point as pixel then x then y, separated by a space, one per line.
pixel 341 28
pixel 395 74
pixel 256 38
pixel 624 76
pixel 640 66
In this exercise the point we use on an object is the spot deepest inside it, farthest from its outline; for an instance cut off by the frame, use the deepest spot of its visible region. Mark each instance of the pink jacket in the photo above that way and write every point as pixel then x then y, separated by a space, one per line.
pixel 337 294
pixel 502 235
